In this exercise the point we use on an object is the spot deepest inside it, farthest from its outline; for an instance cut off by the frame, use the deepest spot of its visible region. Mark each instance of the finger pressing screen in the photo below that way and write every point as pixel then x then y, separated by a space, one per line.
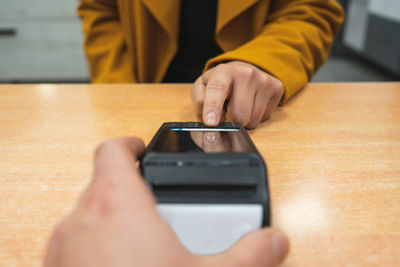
pixel 218 88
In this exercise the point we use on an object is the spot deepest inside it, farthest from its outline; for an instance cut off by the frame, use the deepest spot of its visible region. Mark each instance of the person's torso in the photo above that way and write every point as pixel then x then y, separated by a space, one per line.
pixel 152 28
pixel 196 40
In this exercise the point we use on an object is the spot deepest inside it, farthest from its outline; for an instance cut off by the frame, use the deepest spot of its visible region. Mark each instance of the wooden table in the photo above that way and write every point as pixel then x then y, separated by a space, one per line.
pixel 333 155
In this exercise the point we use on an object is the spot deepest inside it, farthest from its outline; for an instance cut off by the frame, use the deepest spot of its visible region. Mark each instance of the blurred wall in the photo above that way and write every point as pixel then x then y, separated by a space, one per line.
pixel 372 30
pixel 41 40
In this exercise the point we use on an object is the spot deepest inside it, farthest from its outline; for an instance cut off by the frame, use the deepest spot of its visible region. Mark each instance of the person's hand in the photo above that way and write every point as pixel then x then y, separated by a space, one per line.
pixel 252 93
pixel 116 223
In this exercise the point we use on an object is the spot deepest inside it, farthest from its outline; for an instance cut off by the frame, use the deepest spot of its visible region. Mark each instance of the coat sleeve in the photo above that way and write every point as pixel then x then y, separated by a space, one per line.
pixel 294 42
pixel 106 51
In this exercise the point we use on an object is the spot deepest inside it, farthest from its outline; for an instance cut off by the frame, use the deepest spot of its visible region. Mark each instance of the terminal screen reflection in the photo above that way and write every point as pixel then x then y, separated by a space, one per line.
pixel 202 140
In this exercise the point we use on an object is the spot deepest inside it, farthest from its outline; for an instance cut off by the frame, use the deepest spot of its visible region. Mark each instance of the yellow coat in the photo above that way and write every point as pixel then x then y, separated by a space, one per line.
pixel 136 40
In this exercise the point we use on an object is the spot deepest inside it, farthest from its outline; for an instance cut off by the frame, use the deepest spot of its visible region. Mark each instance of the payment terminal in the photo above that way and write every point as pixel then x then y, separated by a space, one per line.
pixel 210 183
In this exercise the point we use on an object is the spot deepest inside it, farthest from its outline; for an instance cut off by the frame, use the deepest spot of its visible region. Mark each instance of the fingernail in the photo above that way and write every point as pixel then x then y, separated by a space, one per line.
pixel 280 244
pixel 211 137
pixel 211 118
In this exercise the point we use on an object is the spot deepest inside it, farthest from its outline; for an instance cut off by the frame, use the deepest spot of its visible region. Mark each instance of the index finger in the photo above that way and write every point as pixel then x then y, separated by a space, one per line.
pixel 218 88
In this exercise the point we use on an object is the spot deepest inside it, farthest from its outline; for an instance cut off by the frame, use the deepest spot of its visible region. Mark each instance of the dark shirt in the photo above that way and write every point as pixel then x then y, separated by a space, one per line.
pixel 196 41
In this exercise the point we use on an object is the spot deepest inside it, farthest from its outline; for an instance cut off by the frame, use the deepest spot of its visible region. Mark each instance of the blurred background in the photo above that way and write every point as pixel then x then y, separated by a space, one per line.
pixel 41 41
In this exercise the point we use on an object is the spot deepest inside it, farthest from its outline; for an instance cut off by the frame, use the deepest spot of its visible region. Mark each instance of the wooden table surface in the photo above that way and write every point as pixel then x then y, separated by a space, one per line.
pixel 333 155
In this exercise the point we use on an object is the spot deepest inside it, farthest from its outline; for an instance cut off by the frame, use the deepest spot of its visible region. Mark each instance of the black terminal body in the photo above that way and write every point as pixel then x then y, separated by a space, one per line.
pixel 179 170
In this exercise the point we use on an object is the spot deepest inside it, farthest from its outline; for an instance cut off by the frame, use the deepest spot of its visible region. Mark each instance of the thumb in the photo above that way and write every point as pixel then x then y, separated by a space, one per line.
pixel 266 247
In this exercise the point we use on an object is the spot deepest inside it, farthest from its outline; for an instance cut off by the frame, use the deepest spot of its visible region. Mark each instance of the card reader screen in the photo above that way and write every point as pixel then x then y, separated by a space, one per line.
pixel 202 140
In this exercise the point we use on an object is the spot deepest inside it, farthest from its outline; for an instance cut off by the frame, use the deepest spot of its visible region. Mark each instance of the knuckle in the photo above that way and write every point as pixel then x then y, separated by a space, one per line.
pixel 246 72
pixel 280 88
pixel 213 104
pixel 265 80
pixel 218 85
pixel 222 67
pixel 197 86
pixel 273 84
pixel 199 80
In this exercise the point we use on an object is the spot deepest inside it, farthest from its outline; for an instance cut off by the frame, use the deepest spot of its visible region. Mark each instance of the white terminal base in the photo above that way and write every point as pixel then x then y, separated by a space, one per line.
pixel 211 228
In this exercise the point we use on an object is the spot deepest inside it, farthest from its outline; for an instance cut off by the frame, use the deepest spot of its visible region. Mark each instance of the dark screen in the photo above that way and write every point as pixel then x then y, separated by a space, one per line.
pixel 197 140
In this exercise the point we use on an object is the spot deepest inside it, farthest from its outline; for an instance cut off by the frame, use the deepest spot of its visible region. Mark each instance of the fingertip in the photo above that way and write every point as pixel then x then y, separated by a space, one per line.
pixel 117 156
pixel 217 89
pixel 136 145
pixel 265 247
pixel 280 243
pixel 210 119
